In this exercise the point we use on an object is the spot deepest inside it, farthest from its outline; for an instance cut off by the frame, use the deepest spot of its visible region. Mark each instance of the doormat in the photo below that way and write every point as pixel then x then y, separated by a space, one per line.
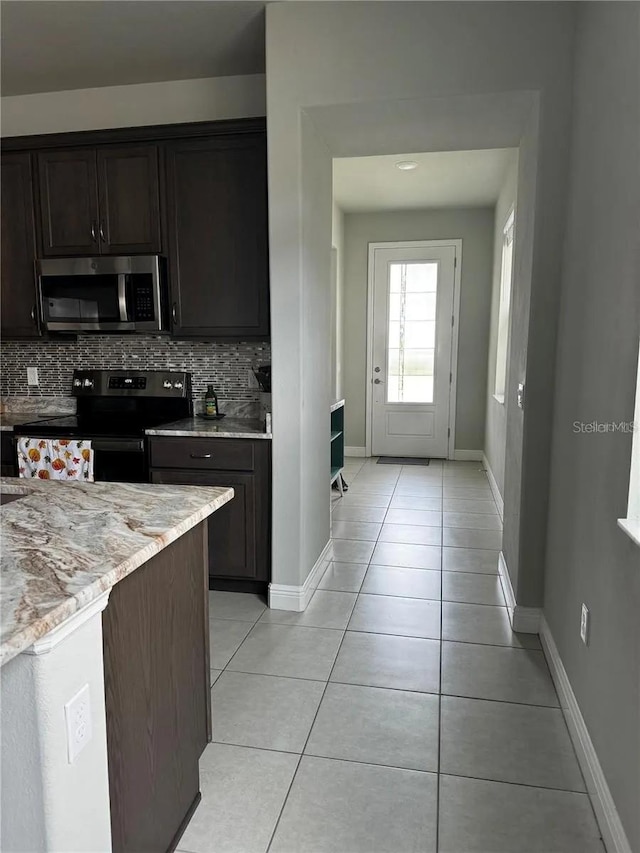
pixel 402 460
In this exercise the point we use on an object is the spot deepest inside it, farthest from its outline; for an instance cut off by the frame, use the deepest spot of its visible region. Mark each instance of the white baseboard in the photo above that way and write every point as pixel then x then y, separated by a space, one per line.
pixel 467 455
pixel 287 597
pixel 525 620
pixel 494 486
pixel 613 833
pixel 355 451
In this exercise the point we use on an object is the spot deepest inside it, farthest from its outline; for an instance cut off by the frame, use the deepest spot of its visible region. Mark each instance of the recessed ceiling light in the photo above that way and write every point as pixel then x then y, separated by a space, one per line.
pixel 406 165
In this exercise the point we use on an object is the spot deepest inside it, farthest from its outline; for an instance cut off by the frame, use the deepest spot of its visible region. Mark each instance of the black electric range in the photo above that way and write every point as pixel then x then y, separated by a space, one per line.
pixel 114 408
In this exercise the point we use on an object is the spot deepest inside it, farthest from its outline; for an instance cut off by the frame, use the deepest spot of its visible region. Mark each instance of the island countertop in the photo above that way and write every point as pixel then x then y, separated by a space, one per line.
pixel 64 544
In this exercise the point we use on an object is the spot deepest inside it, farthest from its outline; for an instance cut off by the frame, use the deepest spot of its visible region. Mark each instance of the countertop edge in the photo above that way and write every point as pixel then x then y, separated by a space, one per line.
pixel 195 433
pixel 25 637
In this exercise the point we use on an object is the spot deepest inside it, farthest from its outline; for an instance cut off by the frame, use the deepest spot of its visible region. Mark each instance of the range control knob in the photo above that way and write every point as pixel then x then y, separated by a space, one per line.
pixel 177 385
pixel 166 384
pixel 77 383
pixel 88 383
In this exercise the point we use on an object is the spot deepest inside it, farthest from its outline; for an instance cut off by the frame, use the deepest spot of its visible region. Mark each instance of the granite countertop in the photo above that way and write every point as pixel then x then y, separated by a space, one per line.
pixel 201 428
pixel 64 544
pixel 9 420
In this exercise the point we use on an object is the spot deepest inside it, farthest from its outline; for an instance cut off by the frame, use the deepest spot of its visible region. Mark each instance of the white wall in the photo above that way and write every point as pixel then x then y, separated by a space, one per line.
pixel 48 804
pixel 462 54
pixel 475 227
pixel 496 413
pixel 337 312
pixel 589 559
pixel 170 102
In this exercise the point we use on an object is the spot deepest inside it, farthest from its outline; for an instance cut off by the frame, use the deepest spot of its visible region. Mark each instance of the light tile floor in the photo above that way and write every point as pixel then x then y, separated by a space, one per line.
pixel 400 712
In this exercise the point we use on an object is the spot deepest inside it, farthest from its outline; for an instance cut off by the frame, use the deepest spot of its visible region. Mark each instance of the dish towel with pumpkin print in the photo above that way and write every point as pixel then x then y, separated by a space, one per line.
pixel 55 459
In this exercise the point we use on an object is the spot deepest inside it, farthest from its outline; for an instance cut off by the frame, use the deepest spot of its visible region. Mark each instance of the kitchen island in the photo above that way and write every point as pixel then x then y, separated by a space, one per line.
pixel 104 595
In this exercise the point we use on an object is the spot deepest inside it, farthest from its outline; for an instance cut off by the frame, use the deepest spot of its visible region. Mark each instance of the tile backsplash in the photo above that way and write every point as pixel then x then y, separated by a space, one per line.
pixel 224 365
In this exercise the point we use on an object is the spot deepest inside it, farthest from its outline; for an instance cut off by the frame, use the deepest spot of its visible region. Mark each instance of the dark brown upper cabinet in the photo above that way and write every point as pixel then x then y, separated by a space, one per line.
pixel 18 283
pixel 129 200
pixel 101 201
pixel 218 242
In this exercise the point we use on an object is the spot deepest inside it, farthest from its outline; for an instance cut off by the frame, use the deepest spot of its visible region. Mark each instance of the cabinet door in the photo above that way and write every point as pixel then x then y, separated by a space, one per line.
pixel 129 200
pixel 217 209
pixel 233 529
pixel 17 282
pixel 69 202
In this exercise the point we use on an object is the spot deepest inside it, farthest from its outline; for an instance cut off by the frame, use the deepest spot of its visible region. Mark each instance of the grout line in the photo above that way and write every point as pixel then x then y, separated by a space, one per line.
pixel 315 716
pixel 518 784
pixel 437 834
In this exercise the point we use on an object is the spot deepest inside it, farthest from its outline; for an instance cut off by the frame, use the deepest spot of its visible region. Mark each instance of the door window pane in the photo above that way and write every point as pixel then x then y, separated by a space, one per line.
pixel 411 332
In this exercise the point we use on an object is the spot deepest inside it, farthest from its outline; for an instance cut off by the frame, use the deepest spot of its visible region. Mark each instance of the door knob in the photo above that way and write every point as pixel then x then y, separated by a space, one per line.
pixel 377 369
pixel 377 382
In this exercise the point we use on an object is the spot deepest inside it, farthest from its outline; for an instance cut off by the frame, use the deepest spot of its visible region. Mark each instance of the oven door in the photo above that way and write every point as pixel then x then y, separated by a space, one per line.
pixel 120 460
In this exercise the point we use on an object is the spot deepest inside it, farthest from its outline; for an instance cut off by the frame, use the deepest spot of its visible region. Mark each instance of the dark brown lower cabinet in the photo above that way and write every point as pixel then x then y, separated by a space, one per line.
pixel 8 458
pixel 240 532
pixel 156 667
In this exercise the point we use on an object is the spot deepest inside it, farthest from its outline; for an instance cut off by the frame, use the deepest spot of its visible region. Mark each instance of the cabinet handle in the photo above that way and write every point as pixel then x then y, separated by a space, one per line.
pixel 93 231
pixel 197 456
pixel 102 237
pixel 33 314
pixel 174 312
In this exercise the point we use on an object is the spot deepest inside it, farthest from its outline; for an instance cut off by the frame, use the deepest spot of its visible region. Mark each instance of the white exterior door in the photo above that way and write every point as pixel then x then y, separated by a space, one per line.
pixel 411 332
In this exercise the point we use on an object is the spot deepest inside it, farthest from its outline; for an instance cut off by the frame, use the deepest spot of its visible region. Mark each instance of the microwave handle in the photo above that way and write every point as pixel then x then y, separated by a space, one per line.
pixel 122 297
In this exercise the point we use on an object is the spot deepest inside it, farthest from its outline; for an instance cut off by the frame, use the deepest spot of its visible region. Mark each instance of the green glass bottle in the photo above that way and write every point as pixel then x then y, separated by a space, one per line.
pixel 210 402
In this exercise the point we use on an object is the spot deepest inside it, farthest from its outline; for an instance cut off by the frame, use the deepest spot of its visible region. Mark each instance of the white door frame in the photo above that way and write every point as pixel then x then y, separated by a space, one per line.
pixel 415 244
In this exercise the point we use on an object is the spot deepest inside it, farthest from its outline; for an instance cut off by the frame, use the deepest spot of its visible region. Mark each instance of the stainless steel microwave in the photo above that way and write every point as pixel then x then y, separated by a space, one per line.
pixel 105 294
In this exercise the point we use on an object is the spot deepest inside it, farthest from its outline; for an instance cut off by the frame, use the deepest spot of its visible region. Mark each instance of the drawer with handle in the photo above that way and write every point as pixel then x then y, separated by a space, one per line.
pixel 222 454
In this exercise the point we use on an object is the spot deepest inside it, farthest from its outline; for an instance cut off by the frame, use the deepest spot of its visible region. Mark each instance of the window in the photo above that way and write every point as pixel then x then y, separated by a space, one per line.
pixel 504 310
pixel 631 524
pixel 412 332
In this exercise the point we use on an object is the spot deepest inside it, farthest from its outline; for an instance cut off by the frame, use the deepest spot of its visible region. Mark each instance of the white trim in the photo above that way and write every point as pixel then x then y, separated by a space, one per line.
pixel 467 455
pixel 355 451
pixel 613 834
pixel 494 486
pixel 631 527
pixel 457 274
pixel 290 597
pixel 524 620
pixel 45 644
pixel 455 336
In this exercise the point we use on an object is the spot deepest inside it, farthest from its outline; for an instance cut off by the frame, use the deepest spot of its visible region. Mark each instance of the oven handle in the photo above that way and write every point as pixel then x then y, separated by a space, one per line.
pixel 122 297
pixel 115 445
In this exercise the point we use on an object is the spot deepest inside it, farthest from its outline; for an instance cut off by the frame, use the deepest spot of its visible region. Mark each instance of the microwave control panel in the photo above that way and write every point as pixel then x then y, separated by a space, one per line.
pixel 143 307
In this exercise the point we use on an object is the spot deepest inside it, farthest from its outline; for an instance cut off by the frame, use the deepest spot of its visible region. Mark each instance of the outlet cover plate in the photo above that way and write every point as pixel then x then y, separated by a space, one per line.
pixel 584 624
pixel 32 376
pixel 77 713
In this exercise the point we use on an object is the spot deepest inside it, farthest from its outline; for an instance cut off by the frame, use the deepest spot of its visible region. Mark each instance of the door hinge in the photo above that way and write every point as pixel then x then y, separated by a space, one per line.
pixel 455 261
pixel 450 378
pixel 453 321
pixel 448 432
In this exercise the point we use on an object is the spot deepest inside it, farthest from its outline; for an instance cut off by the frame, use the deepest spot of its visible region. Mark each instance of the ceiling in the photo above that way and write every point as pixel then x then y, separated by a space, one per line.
pixel 442 179
pixel 53 45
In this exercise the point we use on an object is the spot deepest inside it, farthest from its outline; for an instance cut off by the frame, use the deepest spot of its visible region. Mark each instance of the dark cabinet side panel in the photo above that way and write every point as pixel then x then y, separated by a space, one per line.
pixel 129 200
pixel 156 685
pixel 68 184
pixel 17 241
pixel 217 222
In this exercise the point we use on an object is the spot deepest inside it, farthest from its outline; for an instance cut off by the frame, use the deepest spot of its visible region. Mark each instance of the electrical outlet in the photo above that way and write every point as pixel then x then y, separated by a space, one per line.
pixel 584 624
pixel 77 712
pixel 32 376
